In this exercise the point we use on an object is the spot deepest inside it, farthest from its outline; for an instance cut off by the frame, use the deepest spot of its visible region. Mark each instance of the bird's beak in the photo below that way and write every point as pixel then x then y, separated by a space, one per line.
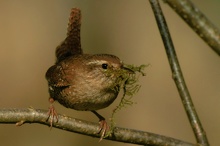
pixel 130 71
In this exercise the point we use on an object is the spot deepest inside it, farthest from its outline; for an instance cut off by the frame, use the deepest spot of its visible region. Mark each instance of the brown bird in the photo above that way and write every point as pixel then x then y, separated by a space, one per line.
pixel 80 81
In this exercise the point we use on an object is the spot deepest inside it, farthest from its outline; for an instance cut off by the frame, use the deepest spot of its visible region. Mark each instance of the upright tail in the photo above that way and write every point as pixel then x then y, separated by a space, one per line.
pixel 72 43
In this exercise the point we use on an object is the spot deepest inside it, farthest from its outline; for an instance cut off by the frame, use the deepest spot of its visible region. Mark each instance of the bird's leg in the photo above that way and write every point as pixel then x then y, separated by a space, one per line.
pixel 52 113
pixel 103 125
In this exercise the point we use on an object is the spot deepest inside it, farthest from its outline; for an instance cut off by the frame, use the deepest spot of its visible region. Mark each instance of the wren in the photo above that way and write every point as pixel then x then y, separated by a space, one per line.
pixel 80 81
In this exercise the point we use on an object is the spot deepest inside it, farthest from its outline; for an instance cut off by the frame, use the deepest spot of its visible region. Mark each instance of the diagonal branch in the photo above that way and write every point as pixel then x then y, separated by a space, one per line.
pixel 178 76
pixel 30 115
pixel 198 22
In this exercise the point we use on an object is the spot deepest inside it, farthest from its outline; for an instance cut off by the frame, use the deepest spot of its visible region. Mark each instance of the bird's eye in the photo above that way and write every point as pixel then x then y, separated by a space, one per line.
pixel 104 66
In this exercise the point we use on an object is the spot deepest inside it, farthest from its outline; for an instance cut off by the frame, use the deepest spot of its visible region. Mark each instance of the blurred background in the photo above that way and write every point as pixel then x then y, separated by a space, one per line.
pixel 31 30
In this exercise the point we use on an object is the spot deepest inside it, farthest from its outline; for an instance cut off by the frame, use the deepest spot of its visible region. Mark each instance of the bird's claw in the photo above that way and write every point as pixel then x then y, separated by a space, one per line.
pixel 103 129
pixel 52 114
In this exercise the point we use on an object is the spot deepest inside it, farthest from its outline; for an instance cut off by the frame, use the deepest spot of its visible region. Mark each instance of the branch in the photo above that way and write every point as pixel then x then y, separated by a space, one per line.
pixel 30 115
pixel 198 22
pixel 178 76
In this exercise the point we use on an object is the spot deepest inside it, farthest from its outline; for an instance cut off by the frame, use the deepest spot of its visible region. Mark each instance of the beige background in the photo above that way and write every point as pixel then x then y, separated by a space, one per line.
pixel 31 30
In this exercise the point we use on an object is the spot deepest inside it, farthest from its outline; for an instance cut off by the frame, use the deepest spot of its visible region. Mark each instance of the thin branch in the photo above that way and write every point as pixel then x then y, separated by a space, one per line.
pixel 178 76
pixel 198 22
pixel 30 115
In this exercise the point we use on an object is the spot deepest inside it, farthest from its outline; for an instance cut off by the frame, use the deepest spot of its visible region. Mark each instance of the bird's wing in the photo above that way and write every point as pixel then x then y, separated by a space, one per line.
pixel 55 76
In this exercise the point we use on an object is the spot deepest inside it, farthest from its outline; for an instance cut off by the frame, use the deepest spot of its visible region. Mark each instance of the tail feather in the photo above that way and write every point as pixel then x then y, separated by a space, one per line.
pixel 72 43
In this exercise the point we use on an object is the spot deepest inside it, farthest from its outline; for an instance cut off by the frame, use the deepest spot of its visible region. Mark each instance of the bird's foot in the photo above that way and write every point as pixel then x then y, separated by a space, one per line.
pixel 103 126
pixel 103 129
pixel 52 114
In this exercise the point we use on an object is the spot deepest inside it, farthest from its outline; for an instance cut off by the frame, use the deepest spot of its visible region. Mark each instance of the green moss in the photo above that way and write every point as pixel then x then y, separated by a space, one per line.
pixel 128 82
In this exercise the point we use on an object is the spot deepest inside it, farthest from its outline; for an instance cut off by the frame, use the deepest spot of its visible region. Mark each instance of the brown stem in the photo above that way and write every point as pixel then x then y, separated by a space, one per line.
pixel 22 116
pixel 178 76
pixel 197 21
